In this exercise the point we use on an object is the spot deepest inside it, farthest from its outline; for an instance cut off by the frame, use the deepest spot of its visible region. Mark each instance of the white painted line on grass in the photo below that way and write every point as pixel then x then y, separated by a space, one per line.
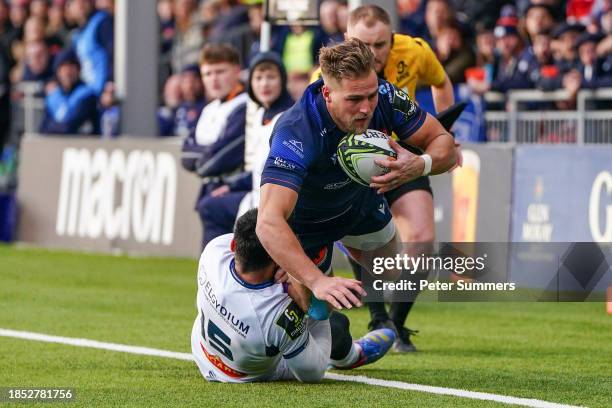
pixel 526 402
pixel 94 344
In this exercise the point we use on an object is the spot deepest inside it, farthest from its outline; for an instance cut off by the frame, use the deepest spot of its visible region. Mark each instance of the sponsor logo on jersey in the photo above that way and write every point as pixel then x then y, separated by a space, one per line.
pixel 295 146
pixel 401 102
pixel 337 185
pixel 292 321
pixel 283 164
pixel 219 364
pixel 334 158
pixel 241 328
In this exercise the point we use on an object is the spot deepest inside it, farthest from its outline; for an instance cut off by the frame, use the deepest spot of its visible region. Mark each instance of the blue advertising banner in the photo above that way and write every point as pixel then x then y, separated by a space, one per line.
pixel 562 194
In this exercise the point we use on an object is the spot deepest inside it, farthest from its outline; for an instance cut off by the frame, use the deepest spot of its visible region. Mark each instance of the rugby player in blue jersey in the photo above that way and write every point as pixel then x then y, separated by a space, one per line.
pixel 308 202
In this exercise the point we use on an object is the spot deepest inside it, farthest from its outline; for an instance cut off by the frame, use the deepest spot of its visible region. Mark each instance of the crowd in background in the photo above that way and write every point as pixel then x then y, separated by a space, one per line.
pixel 66 47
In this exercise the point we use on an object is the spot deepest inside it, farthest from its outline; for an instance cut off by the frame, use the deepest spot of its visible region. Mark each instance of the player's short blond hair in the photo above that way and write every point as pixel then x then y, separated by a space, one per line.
pixel 348 60
pixel 370 15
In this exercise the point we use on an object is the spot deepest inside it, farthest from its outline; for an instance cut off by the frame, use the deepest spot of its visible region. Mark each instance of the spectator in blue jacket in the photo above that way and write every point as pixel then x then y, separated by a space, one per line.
pixel 70 108
pixel 93 43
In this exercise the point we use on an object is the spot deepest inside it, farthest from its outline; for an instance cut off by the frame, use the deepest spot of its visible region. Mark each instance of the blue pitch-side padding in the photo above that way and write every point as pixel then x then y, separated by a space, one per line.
pixel 318 309
pixel 8 216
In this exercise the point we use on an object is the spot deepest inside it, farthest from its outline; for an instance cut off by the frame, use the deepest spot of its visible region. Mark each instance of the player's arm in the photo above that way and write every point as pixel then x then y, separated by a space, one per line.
pixel 443 95
pixel 275 206
pixel 417 128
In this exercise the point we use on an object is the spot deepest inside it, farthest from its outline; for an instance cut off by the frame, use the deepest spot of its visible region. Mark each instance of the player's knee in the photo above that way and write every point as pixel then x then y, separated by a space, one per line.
pixel 423 235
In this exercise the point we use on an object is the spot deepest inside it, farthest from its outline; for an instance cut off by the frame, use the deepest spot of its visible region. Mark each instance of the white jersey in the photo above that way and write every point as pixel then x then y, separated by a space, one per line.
pixel 256 150
pixel 242 330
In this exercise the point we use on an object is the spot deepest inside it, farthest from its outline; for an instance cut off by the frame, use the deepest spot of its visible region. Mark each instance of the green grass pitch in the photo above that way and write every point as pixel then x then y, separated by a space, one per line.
pixel 555 352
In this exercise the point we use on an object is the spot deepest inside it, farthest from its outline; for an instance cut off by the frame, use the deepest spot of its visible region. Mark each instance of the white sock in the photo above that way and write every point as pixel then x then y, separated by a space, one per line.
pixel 350 359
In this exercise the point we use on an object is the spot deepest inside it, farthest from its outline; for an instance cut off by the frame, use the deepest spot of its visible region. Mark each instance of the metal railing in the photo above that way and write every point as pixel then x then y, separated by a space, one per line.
pixel 520 123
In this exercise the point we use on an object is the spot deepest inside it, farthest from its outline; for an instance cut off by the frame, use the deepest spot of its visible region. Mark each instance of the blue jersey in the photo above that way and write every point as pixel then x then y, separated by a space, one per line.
pixel 303 158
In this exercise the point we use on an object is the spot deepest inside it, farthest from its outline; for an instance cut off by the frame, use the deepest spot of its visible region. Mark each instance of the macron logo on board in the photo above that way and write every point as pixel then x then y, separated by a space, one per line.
pixel 117 195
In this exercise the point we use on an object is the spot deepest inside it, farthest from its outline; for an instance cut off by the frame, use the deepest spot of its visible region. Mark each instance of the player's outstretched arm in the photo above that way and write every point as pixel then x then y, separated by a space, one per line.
pixel 275 206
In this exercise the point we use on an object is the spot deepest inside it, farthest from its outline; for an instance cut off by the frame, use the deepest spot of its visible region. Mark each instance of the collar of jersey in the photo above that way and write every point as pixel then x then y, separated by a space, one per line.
pixel 244 283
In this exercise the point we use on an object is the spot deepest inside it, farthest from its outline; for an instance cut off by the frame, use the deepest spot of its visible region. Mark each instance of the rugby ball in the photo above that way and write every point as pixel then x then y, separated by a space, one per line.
pixel 356 155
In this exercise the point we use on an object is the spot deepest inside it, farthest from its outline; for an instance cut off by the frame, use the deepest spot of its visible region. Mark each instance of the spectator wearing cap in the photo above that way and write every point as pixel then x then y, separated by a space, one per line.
pixel 217 147
pixel 70 108
pixel 564 50
pixel 510 72
pixel 595 72
pixel 93 43
pixel 188 111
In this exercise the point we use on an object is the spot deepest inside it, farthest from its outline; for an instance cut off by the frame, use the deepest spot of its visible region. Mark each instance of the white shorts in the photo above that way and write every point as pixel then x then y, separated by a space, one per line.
pixel 371 241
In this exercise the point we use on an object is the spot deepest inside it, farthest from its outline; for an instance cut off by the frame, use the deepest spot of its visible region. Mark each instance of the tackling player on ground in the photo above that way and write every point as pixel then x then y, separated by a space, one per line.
pixel 405 62
pixel 251 328
pixel 308 202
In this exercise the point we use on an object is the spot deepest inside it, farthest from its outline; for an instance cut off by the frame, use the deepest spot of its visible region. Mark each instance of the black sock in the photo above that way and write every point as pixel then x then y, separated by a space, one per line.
pixel 399 312
pixel 377 309
pixel 340 336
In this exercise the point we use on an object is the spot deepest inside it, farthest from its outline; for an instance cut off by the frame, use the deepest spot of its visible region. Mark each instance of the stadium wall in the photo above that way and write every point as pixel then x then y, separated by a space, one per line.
pixel 121 195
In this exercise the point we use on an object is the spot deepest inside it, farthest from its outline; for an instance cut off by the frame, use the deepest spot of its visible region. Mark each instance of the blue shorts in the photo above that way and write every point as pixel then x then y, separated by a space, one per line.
pixel 317 236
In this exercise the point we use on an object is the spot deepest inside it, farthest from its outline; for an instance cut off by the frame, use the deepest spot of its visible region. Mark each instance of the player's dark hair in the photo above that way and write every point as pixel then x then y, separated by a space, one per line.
pixel 250 254
pixel 218 53
pixel 348 60
pixel 369 14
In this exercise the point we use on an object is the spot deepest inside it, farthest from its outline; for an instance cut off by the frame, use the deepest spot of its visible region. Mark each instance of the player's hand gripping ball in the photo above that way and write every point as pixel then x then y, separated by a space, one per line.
pixel 357 153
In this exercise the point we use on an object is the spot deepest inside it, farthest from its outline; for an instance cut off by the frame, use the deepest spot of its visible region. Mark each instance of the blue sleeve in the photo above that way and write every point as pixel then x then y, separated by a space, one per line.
pixel 289 158
pixel 81 106
pixel 105 37
pixel 227 153
pixel 405 115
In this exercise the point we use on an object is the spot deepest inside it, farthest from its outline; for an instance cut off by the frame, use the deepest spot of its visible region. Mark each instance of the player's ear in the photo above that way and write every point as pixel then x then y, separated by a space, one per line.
pixel 326 94
pixel 233 245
